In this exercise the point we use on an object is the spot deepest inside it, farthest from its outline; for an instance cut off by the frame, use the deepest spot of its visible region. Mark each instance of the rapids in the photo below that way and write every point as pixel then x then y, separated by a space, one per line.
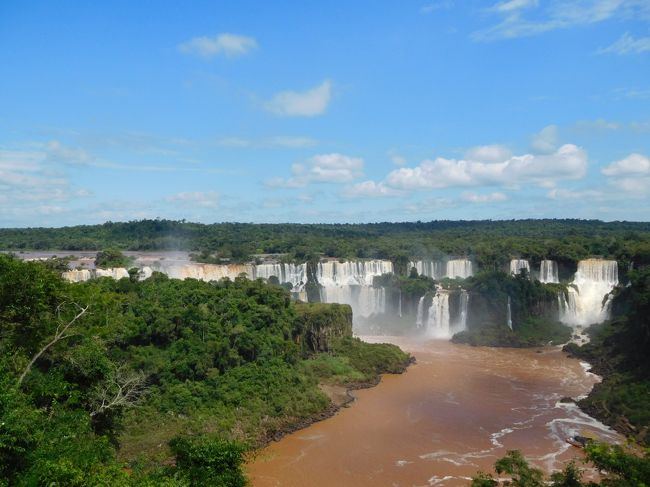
pixel 451 414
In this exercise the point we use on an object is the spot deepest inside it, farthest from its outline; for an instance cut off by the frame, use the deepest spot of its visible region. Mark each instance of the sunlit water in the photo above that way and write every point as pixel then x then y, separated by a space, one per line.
pixel 453 413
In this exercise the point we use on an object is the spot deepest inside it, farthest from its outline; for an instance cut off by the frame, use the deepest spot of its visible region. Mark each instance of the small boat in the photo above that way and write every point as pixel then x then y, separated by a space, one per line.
pixel 578 441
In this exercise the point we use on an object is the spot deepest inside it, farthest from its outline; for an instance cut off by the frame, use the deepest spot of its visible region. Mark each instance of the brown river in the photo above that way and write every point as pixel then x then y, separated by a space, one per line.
pixel 454 412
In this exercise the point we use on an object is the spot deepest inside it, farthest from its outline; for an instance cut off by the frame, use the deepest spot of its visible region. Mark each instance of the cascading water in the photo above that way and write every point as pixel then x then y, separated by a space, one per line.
pixel 516 265
pixel 587 300
pixel 445 316
pixel 87 274
pixel 434 269
pixel 419 317
pixel 548 272
pixel 461 268
pixel 351 283
pixel 295 274
pixel 509 317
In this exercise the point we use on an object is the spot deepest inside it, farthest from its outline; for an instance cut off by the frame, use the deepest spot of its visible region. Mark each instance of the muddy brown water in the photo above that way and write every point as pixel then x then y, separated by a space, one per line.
pixel 453 413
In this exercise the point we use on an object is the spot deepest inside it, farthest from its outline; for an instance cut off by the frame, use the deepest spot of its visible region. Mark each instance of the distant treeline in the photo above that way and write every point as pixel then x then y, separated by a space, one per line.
pixel 491 243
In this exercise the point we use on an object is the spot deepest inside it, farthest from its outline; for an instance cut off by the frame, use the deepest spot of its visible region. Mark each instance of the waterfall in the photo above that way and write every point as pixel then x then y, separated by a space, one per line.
pixel 419 319
pixel 87 274
pixel 295 274
pixel 430 268
pixel 350 283
pixel 78 276
pixel 509 317
pixel 446 315
pixel 587 301
pixel 548 271
pixel 399 304
pixel 516 265
pixel 459 268
pixel 438 316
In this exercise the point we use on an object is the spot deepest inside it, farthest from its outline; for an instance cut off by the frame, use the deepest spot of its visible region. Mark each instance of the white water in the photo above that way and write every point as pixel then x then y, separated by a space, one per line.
pixel 462 268
pixel 296 274
pixel 588 299
pixel 548 271
pixel 351 283
pixel 440 322
pixel 86 274
pixel 516 265
pixel 509 317
pixel 434 269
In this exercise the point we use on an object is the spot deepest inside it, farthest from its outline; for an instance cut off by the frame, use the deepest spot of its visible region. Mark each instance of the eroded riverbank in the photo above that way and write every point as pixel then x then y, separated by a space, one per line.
pixel 454 412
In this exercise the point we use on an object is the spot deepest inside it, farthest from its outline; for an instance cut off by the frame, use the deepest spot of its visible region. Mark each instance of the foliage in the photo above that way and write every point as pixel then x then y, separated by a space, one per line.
pixel 209 461
pixel 111 258
pixel 618 468
pixel 493 243
pixel 217 363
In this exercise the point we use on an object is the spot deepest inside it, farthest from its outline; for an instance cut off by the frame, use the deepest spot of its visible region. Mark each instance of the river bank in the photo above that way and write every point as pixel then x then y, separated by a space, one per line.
pixel 452 413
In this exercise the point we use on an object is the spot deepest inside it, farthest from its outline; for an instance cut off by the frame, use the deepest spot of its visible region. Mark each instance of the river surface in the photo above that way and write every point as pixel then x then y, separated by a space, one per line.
pixel 454 412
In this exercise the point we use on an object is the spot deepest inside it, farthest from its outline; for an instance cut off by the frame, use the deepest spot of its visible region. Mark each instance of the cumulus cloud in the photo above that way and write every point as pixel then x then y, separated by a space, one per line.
pixel 626 44
pixel 322 168
pixel 630 175
pixel 370 189
pixel 229 45
pixel 488 153
pixel 483 198
pixel 209 199
pixel 309 103
pixel 568 162
pixel 546 140
pixel 634 164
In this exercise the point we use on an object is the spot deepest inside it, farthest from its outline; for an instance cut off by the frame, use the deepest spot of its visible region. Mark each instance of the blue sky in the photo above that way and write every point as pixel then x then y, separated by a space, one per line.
pixel 323 111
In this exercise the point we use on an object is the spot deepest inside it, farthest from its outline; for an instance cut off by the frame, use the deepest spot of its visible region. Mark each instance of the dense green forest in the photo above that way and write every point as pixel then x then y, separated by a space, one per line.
pixel 161 382
pixel 491 243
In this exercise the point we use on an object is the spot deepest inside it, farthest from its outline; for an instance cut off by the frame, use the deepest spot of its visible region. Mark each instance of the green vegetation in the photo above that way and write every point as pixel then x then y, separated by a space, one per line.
pixel 492 243
pixel 618 467
pixel 160 382
pixel 111 258
pixel 533 312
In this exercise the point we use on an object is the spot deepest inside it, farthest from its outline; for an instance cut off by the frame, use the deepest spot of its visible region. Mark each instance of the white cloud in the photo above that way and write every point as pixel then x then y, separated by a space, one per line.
pixel 229 45
pixel 513 5
pixel 488 153
pixel 636 185
pixel 209 199
pixel 567 194
pixel 555 15
pixel 370 189
pixel 322 168
pixel 627 44
pixel 598 124
pixel 58 152
pixel 483 198
pixel 546 140
pixel 568 162
pixel 631 165
pixel 307 103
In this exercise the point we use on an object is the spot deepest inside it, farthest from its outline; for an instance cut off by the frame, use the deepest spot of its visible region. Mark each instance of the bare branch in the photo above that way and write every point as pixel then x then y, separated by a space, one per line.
pixel 122 389
pixel 59 334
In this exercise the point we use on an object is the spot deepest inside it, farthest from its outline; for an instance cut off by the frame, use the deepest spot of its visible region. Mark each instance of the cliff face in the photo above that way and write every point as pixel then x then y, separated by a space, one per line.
pixel 318 323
